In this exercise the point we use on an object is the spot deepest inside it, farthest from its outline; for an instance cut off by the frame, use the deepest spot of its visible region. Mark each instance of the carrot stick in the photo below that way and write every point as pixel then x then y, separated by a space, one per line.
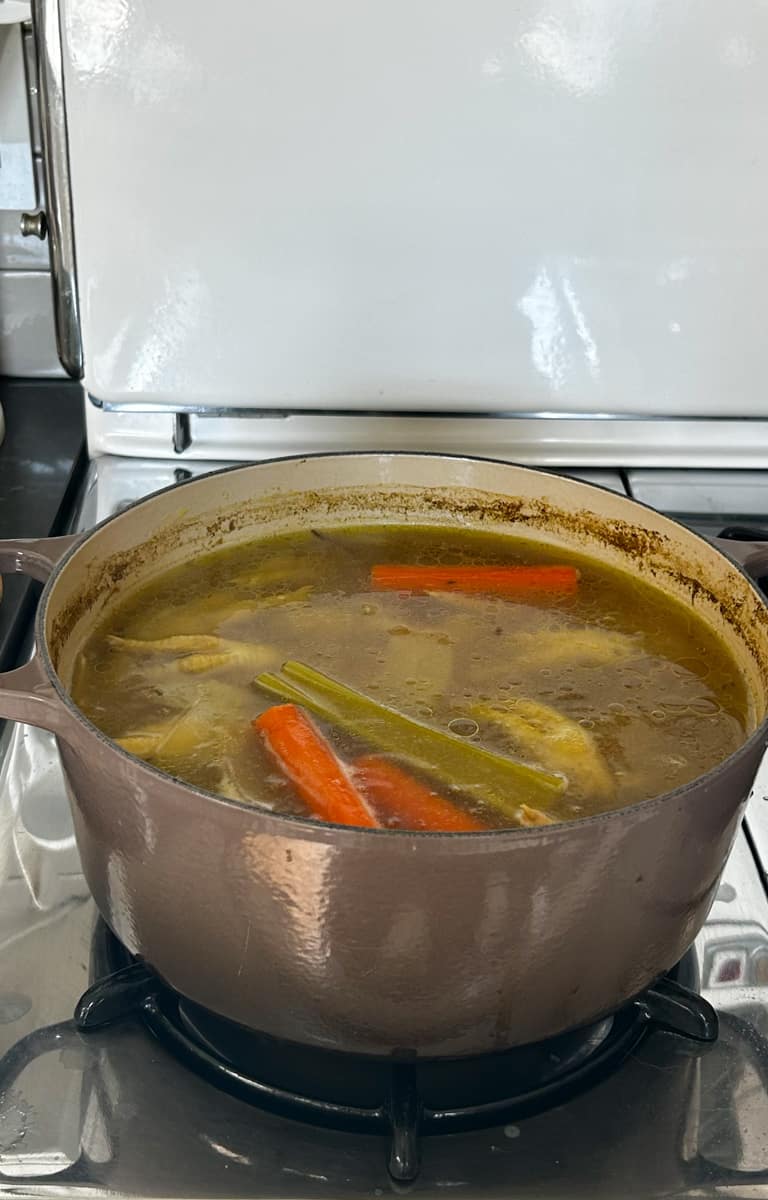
pixel 497 581
pixel 305 758
pixel 401 801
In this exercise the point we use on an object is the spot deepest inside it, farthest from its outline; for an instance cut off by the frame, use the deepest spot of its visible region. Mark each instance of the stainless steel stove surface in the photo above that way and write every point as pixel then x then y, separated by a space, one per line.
pixel 112 1112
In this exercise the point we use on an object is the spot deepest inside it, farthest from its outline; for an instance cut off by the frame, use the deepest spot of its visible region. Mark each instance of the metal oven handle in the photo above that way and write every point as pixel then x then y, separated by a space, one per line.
pixel 47 31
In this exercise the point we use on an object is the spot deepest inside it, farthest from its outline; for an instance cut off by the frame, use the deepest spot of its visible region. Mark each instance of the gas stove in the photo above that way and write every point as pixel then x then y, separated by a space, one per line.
pixel 142 1094
pixel 457 228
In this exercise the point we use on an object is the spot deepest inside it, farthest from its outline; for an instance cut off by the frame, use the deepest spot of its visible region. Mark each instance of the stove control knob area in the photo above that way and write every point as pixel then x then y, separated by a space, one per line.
pixel 34 225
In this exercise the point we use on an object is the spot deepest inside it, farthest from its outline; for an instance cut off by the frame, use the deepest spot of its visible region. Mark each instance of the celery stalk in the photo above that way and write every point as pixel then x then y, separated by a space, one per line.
pixel 281 689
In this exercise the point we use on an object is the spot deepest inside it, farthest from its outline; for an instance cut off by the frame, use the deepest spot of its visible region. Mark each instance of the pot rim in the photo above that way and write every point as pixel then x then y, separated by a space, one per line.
pixel 534 833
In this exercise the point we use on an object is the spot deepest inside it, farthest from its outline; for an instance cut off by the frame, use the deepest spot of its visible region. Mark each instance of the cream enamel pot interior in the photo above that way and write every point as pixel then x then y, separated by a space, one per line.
pixel 374 940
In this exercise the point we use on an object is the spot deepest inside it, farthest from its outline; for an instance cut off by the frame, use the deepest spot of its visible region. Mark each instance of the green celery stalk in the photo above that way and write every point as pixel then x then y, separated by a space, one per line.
pixel 492 778
pixel 281 689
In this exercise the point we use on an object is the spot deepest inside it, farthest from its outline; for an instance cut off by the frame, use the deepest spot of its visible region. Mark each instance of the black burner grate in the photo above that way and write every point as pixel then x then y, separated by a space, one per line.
pixel 401 1097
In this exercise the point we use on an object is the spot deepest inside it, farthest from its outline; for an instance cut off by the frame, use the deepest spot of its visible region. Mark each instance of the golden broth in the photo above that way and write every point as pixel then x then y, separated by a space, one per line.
pixel 624 692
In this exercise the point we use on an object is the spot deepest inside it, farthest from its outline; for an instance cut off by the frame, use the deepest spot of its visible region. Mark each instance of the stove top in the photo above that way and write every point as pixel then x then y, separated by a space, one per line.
pixel 400 1097
pixel 114 1111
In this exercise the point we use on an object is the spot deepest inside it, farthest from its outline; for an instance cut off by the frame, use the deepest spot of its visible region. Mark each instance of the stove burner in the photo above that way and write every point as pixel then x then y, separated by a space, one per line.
pixel 402 1096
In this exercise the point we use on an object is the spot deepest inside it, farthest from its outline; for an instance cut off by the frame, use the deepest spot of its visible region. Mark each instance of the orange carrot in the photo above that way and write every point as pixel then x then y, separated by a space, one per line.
pixel 402 801
pixel 497 581
pixel 305 758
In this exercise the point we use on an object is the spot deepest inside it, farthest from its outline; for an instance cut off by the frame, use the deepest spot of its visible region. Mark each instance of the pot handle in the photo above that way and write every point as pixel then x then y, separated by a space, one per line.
pixel 751 556
pixel 27 694
pixel 747 547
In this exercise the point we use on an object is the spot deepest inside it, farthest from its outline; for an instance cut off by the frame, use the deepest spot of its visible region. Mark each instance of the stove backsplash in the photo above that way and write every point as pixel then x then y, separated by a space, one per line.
pixel 550 208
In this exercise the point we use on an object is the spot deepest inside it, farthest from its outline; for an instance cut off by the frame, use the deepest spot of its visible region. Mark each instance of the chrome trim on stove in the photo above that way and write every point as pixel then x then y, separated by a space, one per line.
pixel 47 31
pixel 233 410
pixel 219 433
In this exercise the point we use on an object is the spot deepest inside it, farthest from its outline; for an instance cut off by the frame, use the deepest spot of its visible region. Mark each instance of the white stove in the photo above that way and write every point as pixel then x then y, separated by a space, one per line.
pixel 530 232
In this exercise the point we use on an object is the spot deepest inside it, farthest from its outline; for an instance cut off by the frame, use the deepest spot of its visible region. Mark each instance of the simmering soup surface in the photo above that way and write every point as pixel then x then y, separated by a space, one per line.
pixel 388 676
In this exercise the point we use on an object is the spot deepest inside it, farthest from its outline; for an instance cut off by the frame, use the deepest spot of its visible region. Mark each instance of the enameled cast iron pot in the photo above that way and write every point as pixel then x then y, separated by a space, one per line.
pixel 374 940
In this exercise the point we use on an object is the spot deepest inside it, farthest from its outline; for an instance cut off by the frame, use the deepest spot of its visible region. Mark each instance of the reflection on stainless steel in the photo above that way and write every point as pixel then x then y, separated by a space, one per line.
pixel 113 1114
pixel 59 202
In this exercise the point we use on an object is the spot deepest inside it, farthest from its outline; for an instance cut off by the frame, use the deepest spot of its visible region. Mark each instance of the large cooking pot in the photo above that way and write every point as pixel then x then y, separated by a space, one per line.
pixel 374 940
